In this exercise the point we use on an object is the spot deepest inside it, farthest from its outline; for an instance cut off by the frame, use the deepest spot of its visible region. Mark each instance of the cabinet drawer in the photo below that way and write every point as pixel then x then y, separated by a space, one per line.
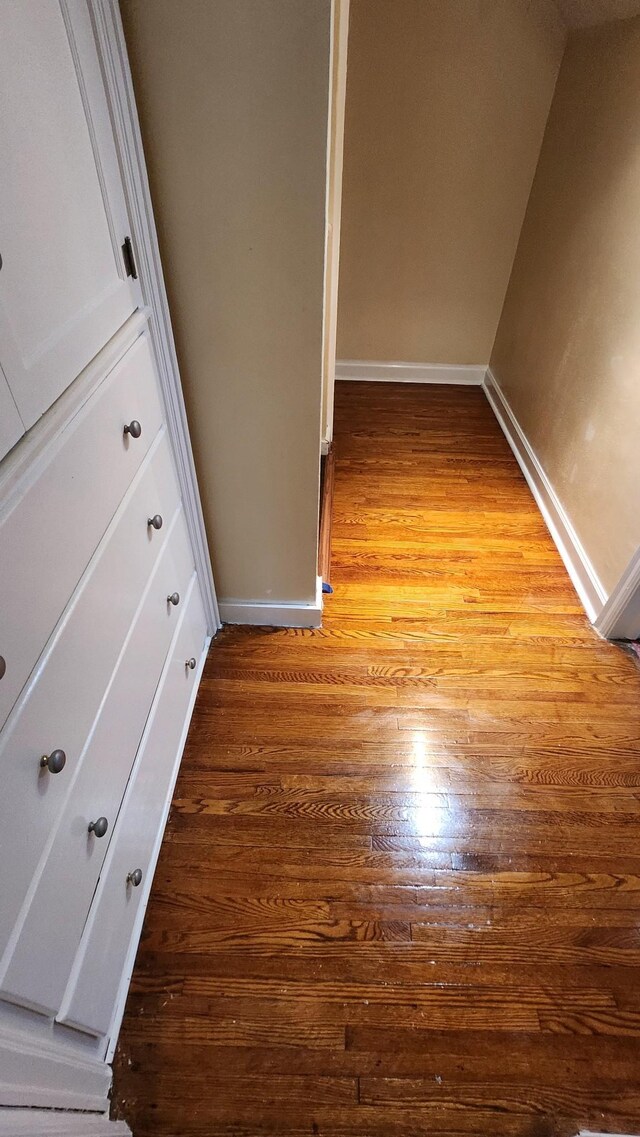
pixel 92 993
pixel 49 531
pixel 59 705
pixel 39 957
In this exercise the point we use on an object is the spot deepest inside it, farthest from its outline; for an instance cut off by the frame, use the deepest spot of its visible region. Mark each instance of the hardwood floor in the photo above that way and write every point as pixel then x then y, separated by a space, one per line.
pixel 400 889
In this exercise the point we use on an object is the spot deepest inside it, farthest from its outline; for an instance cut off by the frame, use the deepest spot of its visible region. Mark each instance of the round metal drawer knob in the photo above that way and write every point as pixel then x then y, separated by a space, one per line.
pixel 54 762
pixel 155 522
pixel 3 666
pixel 190 663
pixel 99 827
pixel 133 428
pixel 135 877
pixel 174 599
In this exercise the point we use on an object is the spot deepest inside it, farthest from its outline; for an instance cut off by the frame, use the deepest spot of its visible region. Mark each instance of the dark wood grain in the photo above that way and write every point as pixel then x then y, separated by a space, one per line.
pixel 400 888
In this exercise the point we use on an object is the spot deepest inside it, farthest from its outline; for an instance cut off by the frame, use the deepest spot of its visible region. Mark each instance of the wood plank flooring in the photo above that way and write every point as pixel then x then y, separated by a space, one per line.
pixel 400 888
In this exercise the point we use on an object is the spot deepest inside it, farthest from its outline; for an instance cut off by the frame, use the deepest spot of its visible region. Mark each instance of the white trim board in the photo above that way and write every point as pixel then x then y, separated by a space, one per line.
pixel 36 1072
pixel 267 613
pixel 466 374
pixel 583 575
pixel 48 1123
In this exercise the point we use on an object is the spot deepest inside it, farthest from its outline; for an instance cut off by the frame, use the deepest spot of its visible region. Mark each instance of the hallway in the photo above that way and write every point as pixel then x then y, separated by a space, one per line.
pixel 400 887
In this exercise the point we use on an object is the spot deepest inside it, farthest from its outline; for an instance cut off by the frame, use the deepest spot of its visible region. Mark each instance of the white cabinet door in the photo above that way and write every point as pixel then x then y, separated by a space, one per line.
pixel 64 289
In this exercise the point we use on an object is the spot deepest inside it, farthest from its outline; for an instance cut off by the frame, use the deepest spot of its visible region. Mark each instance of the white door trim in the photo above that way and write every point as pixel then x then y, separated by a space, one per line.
pixel 112 49
pixel 335 157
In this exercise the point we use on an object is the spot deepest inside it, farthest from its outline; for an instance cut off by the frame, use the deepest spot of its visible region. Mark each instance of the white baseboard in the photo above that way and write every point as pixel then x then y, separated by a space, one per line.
pixel 264 613
pixel 583 575
pixel 36 1072
pixel 50 1123
pixel 470 375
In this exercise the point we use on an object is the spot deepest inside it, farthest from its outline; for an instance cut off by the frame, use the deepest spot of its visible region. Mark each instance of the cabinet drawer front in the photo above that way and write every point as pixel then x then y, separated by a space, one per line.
pixel 59 705
pixel 49 532
pixel 49 927
pixel 93 989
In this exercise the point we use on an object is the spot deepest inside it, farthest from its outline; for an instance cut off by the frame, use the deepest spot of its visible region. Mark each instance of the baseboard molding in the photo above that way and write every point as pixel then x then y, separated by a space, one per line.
pixel 50 1123
pixel 38 1073
pixel 263 613
pixel 583 575
pixel 468 375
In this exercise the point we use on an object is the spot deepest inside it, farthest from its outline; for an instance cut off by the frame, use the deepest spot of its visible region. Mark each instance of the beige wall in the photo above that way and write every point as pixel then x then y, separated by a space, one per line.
pixel 233 99
pixel 567 353
pixel 446 106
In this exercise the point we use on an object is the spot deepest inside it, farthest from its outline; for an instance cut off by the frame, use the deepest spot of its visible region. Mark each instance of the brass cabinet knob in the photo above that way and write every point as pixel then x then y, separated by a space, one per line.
pixel 3 666
pixel 99 827
pixel 135 877
pixel 155 522
pixel 190 663
pixel 54 762
pixel 133 428
pixel 174 599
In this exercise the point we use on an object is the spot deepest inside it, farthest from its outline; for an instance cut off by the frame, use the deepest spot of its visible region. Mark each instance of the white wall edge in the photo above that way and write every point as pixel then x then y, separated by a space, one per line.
pixel 619 618
pixel 582 573
pixel 284 614
pixel 467 374
pixel 112 50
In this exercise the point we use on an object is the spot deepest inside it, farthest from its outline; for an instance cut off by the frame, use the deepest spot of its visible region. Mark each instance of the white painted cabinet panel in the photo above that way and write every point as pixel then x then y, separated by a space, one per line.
pixel 64 290
pixel 59 706
pixel 94 984
pixel 11 425
pixel 41 1123
pixel 41 955
pixel 51 527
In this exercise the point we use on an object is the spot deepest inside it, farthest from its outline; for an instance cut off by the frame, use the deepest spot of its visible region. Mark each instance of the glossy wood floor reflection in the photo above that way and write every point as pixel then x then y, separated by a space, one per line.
pixel 400 889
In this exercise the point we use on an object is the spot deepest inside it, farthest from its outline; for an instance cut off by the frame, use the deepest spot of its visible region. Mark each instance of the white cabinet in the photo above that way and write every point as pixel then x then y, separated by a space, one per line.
pixel 57 516
pixel 11 425
pixel 125 882
pixel 107 599
pixel 52 919
pixel 34 798
pixel 64 289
